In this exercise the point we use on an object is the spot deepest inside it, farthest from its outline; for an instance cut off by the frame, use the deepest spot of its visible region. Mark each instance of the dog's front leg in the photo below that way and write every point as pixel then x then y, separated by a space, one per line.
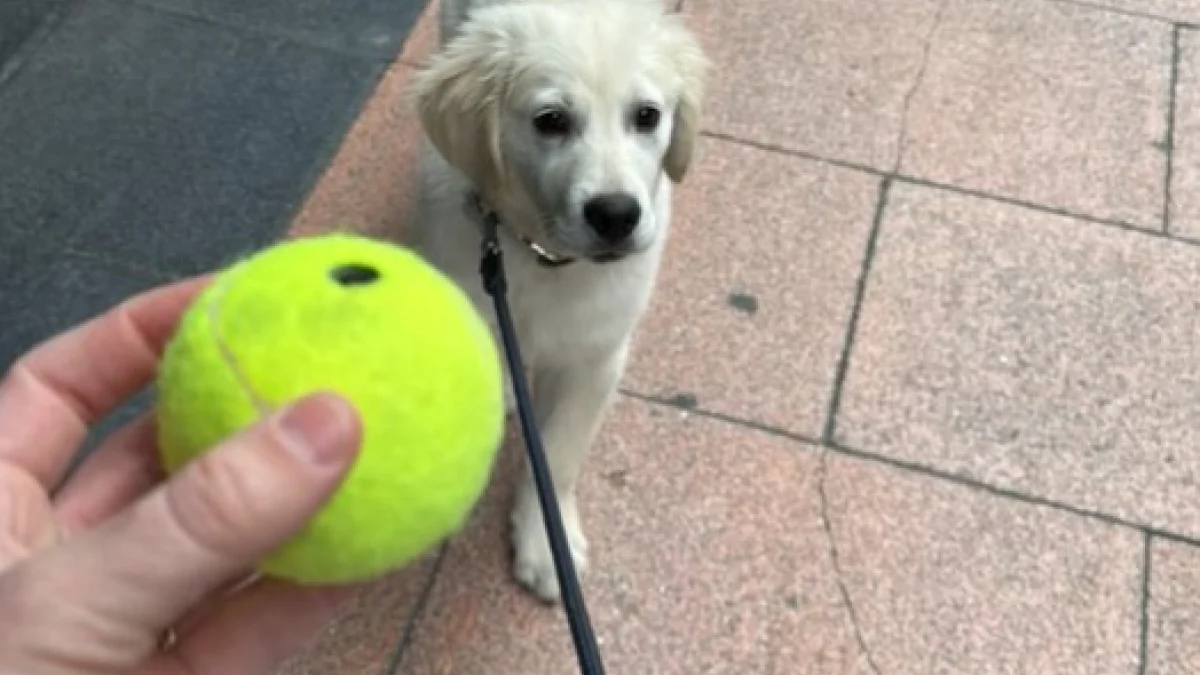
pixel 570 403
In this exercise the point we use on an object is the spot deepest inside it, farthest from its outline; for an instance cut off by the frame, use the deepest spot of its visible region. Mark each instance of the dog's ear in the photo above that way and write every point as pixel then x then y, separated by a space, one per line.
pixel 691 67
pixel 459 96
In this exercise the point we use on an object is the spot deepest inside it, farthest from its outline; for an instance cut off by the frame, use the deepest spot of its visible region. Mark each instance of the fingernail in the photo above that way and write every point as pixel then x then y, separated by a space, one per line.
pixel 320 429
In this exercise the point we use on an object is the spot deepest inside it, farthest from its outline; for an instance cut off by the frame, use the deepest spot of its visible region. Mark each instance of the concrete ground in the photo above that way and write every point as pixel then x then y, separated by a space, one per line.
pixel 919 392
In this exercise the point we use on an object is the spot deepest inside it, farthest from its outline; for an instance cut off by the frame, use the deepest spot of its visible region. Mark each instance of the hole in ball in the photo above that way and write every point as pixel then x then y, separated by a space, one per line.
pixel 353 274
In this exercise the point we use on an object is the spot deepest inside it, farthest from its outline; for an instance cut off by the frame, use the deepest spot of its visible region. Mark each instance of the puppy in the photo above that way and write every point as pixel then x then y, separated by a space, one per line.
pixel 569 120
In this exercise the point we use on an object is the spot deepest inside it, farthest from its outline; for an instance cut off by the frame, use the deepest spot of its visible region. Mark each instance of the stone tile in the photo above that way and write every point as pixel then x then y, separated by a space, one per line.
pixel 1174 10
pixel 371 182
pixel 363 640
pixel 711 555
pixel 946 580
pixel 1185 170
pixel 706 557
pixel 117 153
pixel 372 28
pixel 757 285
pixel 1173 645
pixel 1032 352
pixel 22 19
pixel 1047 102
pixel 828 77
pixel 52 291
pixel 60 292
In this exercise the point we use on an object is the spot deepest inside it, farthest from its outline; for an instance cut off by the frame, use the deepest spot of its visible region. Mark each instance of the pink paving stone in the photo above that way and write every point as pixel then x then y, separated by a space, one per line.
pixel 1032 352
pixel 423 39
pixel 707 558
pixel 1173 647
pixel 828 77
pixel 363 638
pixel 757 285
pixel 1049 102
pixel 710 554
pixel 947 580
pixel 371 182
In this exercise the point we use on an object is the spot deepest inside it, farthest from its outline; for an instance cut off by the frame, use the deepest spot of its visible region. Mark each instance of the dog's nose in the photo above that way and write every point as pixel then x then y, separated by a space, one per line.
pixel 613 216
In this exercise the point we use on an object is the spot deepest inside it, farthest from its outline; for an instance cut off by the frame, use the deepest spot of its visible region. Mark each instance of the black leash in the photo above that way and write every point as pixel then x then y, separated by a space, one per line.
pixel 491 268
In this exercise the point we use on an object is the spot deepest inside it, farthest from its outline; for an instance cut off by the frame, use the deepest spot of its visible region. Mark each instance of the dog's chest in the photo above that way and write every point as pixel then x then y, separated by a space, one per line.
pixel 578 316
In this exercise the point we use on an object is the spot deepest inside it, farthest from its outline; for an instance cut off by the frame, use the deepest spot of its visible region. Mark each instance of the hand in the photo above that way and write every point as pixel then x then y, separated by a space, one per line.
pixel 92 577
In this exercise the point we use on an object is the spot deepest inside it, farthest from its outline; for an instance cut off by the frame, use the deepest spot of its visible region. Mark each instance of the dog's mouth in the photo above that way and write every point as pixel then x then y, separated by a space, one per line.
pixel 552 249
pixel 610 256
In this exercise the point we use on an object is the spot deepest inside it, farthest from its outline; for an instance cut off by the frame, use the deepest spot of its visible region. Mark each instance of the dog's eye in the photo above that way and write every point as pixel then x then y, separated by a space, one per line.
pixel 552 123
pixel 646 118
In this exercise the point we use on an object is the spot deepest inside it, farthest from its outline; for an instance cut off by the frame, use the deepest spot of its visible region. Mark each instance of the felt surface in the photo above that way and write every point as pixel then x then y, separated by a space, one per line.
pixel 379 326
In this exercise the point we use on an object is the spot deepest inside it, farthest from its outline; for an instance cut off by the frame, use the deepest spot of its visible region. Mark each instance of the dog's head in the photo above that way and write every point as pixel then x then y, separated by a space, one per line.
pixel 567 114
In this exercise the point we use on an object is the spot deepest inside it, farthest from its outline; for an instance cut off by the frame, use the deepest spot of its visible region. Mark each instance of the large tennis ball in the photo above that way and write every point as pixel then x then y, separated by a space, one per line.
pixel 376 324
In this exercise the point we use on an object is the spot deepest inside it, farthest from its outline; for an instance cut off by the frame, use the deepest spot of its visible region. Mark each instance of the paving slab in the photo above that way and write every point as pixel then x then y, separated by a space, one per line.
pixel 757 284
pixel 366 637
pixel 21 20
pixel 150 137
pixel 713 552
pixel 828 77
pixel 1173 635
pixel 1031 352
pixel 374 28
pixel 1185 166
pixel 1184 11
pixel 61 291
pixel 1048 102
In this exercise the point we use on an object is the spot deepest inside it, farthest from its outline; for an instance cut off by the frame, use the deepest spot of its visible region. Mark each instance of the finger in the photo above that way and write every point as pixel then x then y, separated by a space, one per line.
pixel 53 394
pixel 124 467
pixel 219 515
pixel 252 631
pixel 26 523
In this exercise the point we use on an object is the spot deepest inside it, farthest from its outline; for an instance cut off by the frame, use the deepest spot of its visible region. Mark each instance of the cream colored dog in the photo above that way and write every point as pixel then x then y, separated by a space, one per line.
pixel 569 119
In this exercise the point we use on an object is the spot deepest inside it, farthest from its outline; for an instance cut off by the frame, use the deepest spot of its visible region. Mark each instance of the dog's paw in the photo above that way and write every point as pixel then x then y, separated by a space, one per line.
pixel 533 563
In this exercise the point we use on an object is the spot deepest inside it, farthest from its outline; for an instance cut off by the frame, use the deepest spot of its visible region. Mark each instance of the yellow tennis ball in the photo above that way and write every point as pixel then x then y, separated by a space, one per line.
pixel 376 324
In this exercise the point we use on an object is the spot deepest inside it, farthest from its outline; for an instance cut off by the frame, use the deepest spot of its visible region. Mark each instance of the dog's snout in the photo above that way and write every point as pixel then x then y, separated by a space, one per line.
pixel 613 216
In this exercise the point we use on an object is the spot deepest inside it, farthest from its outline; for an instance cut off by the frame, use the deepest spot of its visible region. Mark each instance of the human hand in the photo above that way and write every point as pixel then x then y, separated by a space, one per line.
pixel 91 577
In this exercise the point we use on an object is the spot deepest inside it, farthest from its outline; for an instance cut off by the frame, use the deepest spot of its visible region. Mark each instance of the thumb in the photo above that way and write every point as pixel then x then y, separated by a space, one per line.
pixel 218 516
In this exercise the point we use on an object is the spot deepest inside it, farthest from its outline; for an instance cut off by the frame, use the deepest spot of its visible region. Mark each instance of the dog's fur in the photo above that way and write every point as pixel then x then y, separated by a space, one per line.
pixel 499 64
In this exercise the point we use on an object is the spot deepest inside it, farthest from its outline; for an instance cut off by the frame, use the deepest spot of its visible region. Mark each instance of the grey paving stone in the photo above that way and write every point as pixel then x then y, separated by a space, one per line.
pixel 369 27
pixel 22 19
pixel 58 293
pixel 155 138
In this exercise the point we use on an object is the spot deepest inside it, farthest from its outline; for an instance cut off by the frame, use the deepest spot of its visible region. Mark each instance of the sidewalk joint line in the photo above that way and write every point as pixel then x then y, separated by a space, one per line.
pixel 1133 14
pixel 902 137
pixel 911 467
pixel 1156 233
pixel 1144 618
pixel 836 562
pixel 409 634
pixel 829 433
pixel 1169 141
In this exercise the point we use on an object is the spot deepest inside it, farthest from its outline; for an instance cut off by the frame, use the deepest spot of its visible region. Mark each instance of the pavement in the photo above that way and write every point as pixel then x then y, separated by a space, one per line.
pixel 919 391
